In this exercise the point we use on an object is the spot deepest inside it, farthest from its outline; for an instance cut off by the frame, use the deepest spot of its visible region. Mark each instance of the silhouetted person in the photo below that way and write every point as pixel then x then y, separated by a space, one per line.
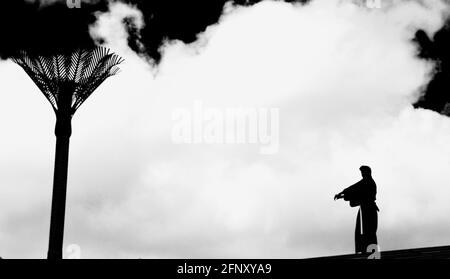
pixel 363 194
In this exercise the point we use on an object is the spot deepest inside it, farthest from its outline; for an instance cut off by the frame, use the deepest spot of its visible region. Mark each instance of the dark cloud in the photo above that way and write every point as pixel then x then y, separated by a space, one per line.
pixel 436 95
pixel 176 20
pixel 54 27
pixel 45 29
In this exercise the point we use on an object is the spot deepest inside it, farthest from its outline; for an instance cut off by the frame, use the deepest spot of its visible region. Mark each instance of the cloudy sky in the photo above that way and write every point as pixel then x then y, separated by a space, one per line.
pixel 344 78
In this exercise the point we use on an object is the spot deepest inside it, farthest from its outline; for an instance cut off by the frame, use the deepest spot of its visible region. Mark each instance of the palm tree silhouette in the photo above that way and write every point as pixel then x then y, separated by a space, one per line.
pixel 66 79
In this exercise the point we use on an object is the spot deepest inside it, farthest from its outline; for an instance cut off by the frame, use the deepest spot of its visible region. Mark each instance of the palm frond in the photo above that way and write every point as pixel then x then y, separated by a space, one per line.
pixel 67 80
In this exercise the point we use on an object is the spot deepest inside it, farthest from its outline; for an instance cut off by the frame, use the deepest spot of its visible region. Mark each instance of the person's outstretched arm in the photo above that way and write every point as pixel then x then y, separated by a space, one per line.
pixel 351 192
pixel 339 196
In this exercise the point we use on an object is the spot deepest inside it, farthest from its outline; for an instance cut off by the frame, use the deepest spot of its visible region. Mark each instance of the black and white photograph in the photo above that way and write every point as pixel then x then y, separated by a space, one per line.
pixel 224 130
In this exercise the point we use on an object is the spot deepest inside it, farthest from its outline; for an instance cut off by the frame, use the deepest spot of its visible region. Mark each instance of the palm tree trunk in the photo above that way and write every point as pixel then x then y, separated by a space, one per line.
pixel 62 132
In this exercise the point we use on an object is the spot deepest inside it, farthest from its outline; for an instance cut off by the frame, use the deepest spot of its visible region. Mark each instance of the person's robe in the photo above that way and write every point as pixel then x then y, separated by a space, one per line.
pixel 363 194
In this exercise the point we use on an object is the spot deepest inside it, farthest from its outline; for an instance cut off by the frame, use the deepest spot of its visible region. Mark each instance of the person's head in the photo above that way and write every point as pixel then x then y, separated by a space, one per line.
pixel 366 172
